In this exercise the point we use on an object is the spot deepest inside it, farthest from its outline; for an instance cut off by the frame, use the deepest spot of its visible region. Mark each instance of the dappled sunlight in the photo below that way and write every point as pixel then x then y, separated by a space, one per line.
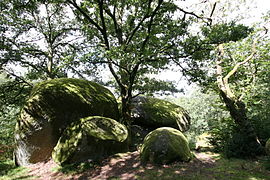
pixel 155 113
pixel 127 166
pixel 124 167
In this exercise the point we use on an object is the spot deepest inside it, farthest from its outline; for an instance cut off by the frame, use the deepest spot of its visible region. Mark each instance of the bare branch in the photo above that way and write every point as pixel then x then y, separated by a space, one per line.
pixel 195 15
pixel 18 77
pixel 214 7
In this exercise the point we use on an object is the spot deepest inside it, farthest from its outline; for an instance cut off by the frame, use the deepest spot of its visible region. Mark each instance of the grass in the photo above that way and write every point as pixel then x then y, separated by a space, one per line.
pixel 208 166
pixel 236 169
pixel 221 169
pixel 8 171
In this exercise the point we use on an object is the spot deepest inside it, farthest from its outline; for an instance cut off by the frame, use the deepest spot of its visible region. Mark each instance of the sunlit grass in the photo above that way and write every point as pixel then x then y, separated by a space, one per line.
pixel 221 169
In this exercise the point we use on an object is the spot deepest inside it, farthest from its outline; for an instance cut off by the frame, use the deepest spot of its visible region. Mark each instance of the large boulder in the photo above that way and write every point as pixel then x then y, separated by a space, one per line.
pixel 267 147
pixel 52 106
pixel 93 138
pixel 154 113
pixel 165 145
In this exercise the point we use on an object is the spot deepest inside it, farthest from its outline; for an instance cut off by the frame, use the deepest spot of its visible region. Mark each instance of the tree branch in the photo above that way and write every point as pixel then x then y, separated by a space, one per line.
pixel 104 28
pixel 222 85
pixel 151 24
pixel 19 78
pixel 113 63
pixel 195 15
pixel 139 24
pixel 85 15
pixel 118 30
pixel 233 71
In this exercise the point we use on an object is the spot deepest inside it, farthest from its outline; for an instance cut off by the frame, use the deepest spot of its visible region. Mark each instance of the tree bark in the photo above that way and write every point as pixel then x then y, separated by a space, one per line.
pixel 238 113
pixel 234 105
pixel 126 111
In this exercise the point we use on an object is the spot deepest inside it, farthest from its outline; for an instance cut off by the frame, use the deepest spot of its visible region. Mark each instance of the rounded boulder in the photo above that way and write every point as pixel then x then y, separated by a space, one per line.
pixel 154 113
pixel 52 106
pixel 165 145
pixel 93 138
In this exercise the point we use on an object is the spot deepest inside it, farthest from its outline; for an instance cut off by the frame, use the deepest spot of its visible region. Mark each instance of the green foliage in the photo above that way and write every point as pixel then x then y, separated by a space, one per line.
pixel 131 41
pixel 247 84
pixel 226 32
pixel 207 114
pixel 151 86
pixel 12 95
pixel 7 127
pixel 221 133
pixel 239 145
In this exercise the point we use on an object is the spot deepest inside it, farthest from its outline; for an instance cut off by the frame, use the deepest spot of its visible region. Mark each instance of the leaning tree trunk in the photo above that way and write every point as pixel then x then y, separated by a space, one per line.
pixel 235 105
pixel 238 113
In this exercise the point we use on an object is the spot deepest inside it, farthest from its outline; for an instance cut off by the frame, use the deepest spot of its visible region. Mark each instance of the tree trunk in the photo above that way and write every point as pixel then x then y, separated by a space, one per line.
pixel 238 113
pixel 235 106
pixel 126 111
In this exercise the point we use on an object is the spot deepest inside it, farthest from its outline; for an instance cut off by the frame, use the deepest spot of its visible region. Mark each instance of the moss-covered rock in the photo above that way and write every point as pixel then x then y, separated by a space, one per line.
pixel 155 113
pixel 267 147
pixel 52 106
pixel 93 138
pixel 165 145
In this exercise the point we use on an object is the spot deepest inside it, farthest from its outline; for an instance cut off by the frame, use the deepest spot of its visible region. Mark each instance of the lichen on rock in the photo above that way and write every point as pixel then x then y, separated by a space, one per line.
pixel 155 113
pixel 52 106
pixel 93 138
pixel 165 145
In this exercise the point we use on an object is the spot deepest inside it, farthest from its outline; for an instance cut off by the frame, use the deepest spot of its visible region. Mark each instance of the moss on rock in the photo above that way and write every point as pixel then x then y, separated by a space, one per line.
pixel 153 112
pixel 52 106
pixel 93 138
pixel 165 145
pixel 104 128
pixel 267 147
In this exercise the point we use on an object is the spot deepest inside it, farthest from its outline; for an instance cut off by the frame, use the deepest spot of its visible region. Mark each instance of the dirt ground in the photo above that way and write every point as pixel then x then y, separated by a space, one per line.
pixel 126 167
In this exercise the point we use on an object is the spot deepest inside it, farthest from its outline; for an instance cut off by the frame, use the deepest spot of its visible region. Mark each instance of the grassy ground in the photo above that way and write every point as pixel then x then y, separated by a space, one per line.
pixel 9 171
pixel 214 168
pixel 206 166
